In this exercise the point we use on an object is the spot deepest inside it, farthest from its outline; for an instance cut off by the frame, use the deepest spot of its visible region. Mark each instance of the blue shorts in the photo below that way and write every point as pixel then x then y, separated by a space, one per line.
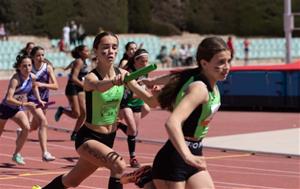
pixel 169 165
pixel 84 134
pixel 7 112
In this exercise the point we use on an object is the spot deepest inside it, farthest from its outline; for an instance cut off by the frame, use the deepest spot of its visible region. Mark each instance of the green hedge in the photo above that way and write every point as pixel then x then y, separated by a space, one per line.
pixel 243 18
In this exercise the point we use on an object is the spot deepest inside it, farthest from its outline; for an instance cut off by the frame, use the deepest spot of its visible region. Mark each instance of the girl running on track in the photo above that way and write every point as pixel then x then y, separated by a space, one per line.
pixel 15 101
pixel 74 89
pixel 132 109
pixel 104 90
pixel 130 49
pixel 193 98
pixel 27 49
pixel 45 80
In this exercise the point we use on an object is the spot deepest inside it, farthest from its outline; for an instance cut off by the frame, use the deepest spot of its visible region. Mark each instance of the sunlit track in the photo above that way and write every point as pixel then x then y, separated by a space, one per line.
pixel 38 174
pixel 290 175
pixel 12 186
pixel 229 169
pixel 269 161
pixel 253 169
pixel 243 186
pixel 228 156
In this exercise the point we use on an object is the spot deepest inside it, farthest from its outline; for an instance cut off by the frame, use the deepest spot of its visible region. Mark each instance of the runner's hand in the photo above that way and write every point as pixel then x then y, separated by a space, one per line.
pixel 118 79
pixel 196 161
pixel 29 105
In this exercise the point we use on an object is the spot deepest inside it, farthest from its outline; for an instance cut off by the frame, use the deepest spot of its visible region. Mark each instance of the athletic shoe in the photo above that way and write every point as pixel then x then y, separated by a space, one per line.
pixel 134 163
pixel 140 176
pixel 73 136
pixel 36 187
pixel 48 157
pixel 18 159
pixel 58 113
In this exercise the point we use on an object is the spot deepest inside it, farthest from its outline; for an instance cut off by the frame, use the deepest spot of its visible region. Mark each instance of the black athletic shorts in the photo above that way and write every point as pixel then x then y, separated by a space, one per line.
pixel 72 89
pixel 84 134
pixel 169 165
pixel 135 109
pixel 7 112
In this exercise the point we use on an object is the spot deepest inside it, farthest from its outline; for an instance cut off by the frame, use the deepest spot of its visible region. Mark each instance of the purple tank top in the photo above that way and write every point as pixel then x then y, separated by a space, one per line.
pixel 21 91
pixel 42 76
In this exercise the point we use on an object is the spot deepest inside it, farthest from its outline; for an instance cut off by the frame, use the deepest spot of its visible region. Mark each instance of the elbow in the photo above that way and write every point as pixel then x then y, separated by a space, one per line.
pixel 73 79
pixel 168 126
pixel 55 87
pixel 10 100
pixel 153 103
pixel 173 125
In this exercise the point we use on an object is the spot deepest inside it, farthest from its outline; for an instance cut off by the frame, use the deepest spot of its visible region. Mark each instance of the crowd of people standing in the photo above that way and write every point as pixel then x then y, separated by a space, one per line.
pixel 72 35
pixel 184 56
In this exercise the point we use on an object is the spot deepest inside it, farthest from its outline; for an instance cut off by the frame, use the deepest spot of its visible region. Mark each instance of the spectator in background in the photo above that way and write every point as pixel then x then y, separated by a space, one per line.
pixel 81 34
pixel 66 36
pixel 164 58
pixel 3 34
pixel 182 54
pixel 61 45
pixel 246 51
pixel 174 56
pixel 73 33
pixel 230 46
pixel 189 55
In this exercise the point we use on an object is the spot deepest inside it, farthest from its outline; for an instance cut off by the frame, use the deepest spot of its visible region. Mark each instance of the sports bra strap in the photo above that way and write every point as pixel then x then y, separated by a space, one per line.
pixel 117 71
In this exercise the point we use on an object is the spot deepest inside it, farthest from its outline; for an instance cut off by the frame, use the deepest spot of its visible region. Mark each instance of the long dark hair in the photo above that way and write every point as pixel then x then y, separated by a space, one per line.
pixel 130 64
pixel 205 51
pixel 24 50
pixel 100 36
pixel 77 50
pixel 125 55
pixel 19 60
pixel 34 50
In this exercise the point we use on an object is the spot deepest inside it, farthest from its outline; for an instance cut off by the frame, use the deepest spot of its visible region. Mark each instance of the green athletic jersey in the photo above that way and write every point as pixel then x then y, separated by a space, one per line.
pixel 196 125
pixel 102 108
pixel 133 102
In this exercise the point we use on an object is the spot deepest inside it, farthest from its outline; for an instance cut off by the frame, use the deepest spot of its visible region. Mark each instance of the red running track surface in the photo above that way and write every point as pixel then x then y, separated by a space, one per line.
pixel 231 169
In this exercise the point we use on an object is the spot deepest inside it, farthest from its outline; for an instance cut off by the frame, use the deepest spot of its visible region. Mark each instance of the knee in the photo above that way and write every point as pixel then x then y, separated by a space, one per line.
pixel 119 167
pixel 41 120
pixel 132 131
pixel 33 128
pixel 26 129
pixel 44 122
pixel 76 114
pixel 82 115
